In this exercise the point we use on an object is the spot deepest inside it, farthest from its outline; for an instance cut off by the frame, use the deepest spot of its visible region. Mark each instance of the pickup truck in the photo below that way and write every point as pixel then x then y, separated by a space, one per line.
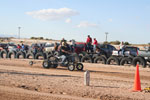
pixel 143 57
pixel 103 52
pixel 123 56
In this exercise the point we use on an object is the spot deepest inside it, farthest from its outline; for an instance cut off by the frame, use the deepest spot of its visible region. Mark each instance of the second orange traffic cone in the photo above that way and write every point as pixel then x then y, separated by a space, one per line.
pixel 137 83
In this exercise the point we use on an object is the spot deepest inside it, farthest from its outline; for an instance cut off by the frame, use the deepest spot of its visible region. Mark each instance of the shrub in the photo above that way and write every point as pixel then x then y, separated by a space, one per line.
pixel 37 38
pixel 115 42
pixel 126 43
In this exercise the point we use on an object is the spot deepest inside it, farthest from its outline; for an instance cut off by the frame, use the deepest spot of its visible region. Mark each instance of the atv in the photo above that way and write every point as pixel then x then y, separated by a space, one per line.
pixel 70 62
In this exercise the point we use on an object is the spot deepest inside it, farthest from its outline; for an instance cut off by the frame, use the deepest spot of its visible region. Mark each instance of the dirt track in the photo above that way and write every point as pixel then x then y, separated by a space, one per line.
pixel 19 81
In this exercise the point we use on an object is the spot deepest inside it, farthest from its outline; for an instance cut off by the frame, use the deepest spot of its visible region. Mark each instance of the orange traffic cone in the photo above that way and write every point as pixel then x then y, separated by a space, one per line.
pixel 137 83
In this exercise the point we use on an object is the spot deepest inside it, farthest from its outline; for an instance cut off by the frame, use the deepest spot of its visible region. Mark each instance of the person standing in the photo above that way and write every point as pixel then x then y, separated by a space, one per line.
pixel 95 43
pixel 22 47
pixel 121 46
pixel 89 43
pixel 18 47
pixel 73 44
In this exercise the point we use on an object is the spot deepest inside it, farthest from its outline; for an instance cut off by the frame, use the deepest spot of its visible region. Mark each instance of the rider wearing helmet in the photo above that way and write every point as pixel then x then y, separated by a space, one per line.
pixel 64 51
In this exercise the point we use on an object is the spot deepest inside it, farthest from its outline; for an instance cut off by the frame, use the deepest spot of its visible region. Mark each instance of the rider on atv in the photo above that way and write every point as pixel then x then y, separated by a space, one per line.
pixel 64 51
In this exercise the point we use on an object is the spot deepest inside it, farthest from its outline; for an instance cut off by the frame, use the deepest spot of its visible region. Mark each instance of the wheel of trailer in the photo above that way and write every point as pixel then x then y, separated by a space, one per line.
pixel 79 66
pixel 12 54
pixel 86 59
pixel 139 60
pixel 113 60
pixel 30 63
pixel 71 67
pixel 46 64
pixel 30 56
pixel 20 55
pixel 3 54
pixel 100 59
pixel 40 55
pixel 125 61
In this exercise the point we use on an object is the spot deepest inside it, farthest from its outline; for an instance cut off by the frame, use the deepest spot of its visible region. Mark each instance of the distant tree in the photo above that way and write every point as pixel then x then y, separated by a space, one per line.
pixel 106 42
pixel 37 38
pixel 126 43
pixel 1 40
pixel 21 41
pixel 41 38
pixel 46 39
pixel 32 38
pixel 115 42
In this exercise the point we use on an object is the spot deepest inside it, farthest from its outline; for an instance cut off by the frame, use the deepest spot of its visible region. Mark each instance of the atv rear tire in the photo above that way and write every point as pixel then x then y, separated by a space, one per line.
pixel 46 64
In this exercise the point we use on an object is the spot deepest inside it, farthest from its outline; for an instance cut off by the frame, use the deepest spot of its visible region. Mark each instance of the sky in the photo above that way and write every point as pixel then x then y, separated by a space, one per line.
pixel 124 20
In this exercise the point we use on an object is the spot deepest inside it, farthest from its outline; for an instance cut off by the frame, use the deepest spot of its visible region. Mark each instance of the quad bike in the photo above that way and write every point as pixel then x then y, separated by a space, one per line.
pixel 70 62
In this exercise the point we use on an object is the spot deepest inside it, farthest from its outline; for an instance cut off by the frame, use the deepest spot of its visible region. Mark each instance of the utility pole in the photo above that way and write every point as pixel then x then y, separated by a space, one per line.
pixel 19 32
pixel 106 35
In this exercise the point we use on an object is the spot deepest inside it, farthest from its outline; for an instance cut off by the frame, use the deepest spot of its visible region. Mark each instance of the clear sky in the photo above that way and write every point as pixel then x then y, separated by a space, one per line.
pixel 124 20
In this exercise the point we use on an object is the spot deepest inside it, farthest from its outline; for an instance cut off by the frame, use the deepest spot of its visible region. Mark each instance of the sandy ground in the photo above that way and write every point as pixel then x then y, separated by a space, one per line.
pixel 20 81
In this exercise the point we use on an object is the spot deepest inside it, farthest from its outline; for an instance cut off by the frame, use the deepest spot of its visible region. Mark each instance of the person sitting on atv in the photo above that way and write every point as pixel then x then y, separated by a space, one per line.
pixel 63 40
pixel 64 51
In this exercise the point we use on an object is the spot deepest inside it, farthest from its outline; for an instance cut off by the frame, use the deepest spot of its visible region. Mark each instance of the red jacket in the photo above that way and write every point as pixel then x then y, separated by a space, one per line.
pixel 19 47
pixel 89 40
pixel 95 42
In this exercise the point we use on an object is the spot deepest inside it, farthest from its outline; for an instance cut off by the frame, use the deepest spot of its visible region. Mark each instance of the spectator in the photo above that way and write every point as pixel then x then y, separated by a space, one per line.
pixel 89 43
pixel 26 48
pixel 73 44
pixel 122 47
pixel 18 47
pixel 22 47
pixel 35 48
pixel 40 47
pixel 95 43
